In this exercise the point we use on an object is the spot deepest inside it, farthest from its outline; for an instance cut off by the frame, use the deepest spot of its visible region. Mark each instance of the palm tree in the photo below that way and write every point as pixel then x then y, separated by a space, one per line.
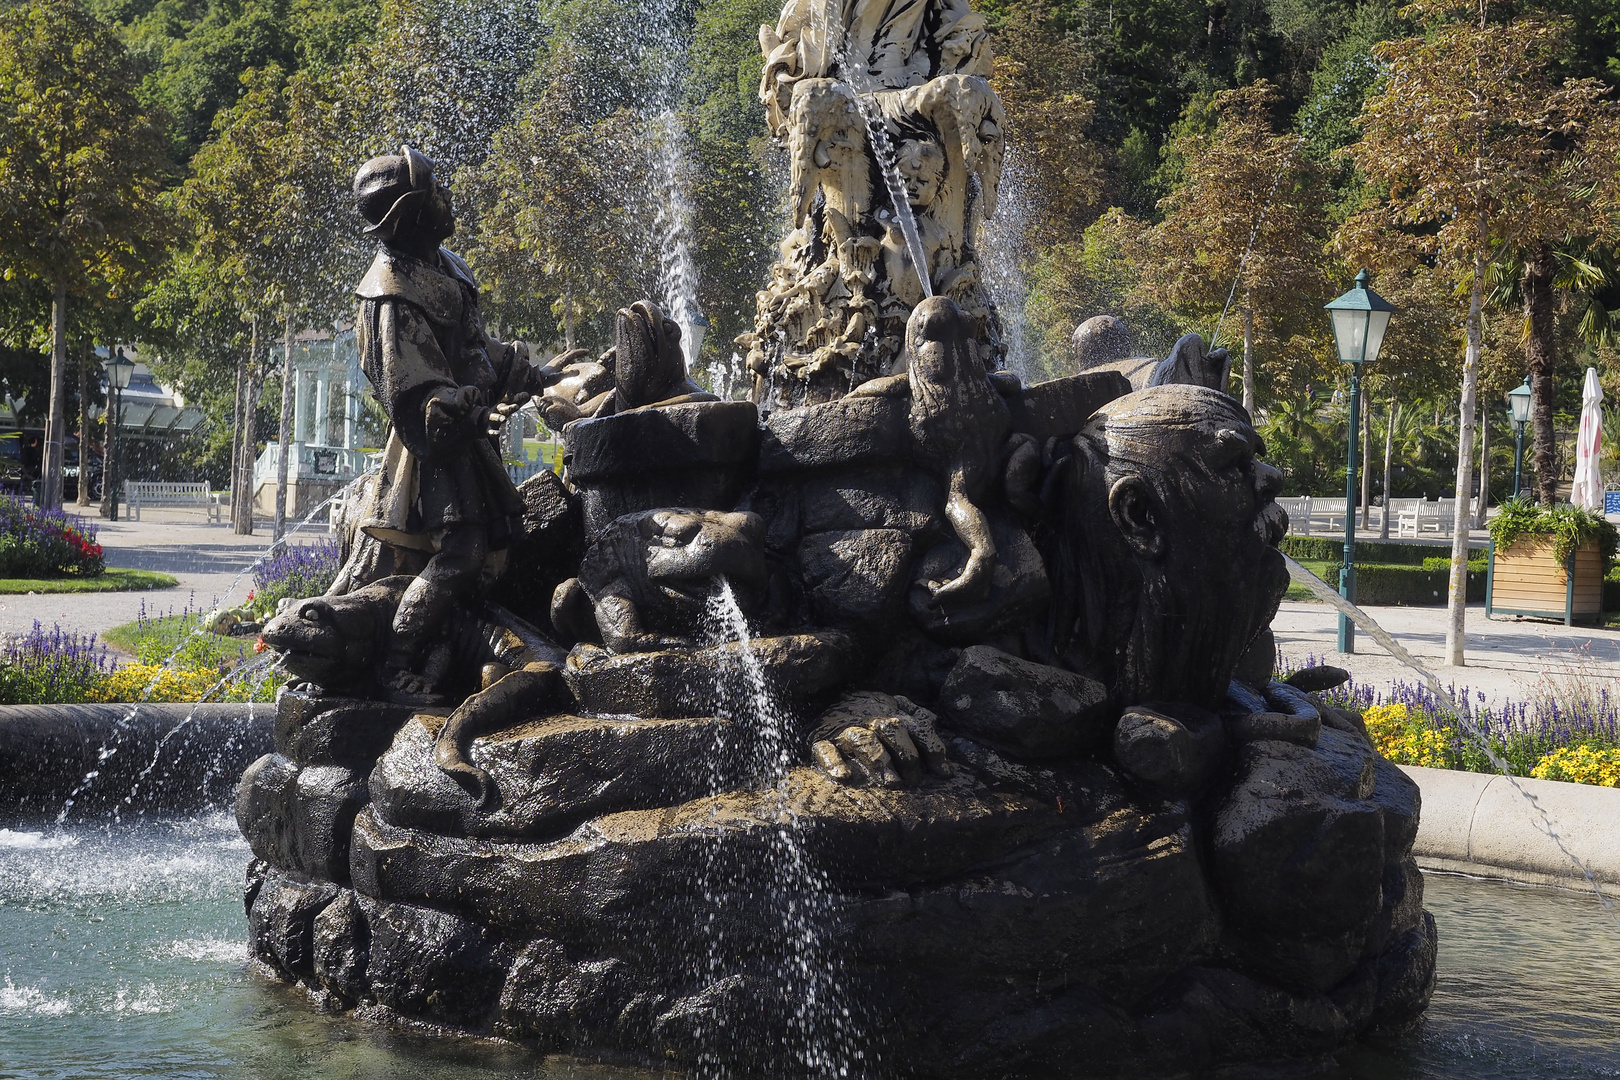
pixel 1583 280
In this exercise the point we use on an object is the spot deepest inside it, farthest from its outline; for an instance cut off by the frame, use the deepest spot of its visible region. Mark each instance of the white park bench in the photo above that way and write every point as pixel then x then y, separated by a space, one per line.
pixel 1298 509
pixel 147 494
pixel 1330 512
pixel 1406 513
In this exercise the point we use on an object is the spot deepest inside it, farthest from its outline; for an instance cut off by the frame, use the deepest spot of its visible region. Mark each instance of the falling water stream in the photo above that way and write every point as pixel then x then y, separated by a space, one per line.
pixel 111 746
pixel 758 753
pixel 865 88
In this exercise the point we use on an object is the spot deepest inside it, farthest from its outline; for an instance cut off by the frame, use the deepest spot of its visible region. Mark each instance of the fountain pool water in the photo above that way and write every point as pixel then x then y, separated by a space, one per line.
pixel 121 956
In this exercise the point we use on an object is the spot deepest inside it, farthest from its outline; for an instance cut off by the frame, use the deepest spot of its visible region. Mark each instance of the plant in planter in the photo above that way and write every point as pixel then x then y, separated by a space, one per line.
pixel 1549 562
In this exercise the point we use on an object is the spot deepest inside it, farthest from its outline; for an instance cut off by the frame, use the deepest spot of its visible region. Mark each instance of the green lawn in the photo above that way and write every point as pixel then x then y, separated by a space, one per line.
pixel 154 641
pixel 111 581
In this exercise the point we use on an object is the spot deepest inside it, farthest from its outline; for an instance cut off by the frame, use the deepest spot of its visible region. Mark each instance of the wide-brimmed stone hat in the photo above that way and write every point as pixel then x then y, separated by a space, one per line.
pixel 392 186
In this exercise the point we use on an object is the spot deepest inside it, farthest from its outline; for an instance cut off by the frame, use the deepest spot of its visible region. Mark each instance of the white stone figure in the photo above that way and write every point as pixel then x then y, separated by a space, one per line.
pixel 834 314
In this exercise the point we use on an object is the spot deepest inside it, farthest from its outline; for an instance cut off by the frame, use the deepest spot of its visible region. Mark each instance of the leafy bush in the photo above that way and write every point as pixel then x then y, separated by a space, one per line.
pixel 1581 765
pixel 152 682
pixel 47 667
pixel 46 543
pixel 1405 586
pixel 1570 528
pixel 1441 564
pixel 295 572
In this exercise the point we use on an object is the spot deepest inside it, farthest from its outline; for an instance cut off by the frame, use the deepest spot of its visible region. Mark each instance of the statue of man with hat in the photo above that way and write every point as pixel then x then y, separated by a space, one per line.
pixel 448 389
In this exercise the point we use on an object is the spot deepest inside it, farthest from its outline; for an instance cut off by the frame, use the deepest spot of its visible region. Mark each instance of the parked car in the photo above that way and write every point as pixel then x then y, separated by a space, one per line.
pixel 12 480
pixel 22 457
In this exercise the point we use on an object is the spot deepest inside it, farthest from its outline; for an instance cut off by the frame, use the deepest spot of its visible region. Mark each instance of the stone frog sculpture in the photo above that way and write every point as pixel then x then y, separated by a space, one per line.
pixel 643 586
pixel 959 425
pixel 503 668
pixel 649 365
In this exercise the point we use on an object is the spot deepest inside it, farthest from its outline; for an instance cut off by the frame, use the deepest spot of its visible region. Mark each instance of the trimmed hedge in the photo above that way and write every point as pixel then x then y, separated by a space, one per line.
pixel 1408 586
pixel 1321 549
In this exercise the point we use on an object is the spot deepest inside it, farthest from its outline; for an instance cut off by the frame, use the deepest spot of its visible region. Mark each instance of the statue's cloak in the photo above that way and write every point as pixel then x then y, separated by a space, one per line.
pixel 419 331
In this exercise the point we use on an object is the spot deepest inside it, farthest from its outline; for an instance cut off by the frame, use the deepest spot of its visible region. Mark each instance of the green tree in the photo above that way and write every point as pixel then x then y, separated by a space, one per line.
pixel 271 236
pixel 1245 223
pixel 81 164
pixel 1474 148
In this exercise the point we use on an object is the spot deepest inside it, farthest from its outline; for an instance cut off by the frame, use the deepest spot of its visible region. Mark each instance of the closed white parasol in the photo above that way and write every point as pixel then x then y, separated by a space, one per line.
pixel 1589 447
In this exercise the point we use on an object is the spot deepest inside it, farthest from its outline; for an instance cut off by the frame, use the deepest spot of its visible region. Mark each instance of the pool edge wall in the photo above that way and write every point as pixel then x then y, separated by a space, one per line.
pixel 125 760
pixel 1483 824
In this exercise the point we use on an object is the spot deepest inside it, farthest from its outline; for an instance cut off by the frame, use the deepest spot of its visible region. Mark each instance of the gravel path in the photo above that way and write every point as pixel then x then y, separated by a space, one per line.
pixel 1509 659
pixel 209 560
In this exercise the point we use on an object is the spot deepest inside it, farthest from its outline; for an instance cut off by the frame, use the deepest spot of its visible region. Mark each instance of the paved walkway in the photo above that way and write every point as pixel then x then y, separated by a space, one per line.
pixel 1508 659
pixel 210 560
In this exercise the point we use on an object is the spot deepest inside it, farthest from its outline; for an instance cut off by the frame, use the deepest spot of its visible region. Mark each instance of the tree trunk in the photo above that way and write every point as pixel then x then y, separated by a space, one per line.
pixel 1484 468
pixel 1366 462
pixel 50 473
pixel 233 480
pixel 1458 599
pixel 568 319
pixel 284 433
pixel 83 496
pixel 1541 358
pixel 1389 452
pixel 1248 359
pixel 242 501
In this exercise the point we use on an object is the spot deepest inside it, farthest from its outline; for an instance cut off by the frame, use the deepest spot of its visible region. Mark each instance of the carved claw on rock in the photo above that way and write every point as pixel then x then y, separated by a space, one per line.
pixel 876 740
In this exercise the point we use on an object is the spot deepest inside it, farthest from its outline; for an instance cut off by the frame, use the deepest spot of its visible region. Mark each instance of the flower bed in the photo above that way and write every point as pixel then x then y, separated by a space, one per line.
pixel 175 663
pixel 46 667
pixel 45 543
pixel 294 572
pixel 1578 743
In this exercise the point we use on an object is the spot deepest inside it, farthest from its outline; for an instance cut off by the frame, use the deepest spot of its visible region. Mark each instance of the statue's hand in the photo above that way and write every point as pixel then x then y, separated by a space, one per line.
pixel 447 412
pixel 880 751
pixel 495 421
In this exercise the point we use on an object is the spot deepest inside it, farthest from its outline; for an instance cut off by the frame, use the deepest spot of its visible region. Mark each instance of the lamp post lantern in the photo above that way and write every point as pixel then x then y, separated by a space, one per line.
pixel 1360 318
pixel 1519 401
pixel 119 369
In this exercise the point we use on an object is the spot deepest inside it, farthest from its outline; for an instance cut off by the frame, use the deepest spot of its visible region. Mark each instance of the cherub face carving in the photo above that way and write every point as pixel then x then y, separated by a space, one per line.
pixel 922 168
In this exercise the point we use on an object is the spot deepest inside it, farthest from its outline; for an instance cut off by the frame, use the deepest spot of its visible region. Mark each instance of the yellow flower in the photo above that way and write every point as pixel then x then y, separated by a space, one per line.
pixel 1581 765
pixel 149 682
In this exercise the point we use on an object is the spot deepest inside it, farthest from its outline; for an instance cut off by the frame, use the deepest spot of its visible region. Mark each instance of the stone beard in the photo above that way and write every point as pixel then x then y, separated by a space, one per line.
pixel 1163 546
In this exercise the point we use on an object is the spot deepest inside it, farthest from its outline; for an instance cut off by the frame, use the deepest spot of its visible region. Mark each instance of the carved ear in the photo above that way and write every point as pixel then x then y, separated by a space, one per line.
pixel 1136 515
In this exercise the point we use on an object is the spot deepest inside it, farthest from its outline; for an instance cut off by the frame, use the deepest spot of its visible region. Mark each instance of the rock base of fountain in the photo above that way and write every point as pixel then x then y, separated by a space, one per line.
pixel 1010 919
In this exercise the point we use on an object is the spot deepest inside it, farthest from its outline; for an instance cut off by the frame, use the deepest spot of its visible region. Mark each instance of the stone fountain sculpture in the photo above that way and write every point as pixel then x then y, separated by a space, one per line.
pixel 891 128
pixel 927 726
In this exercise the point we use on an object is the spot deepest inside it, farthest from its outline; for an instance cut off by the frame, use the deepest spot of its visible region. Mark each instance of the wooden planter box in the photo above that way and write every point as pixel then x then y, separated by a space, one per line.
pixel 1525 579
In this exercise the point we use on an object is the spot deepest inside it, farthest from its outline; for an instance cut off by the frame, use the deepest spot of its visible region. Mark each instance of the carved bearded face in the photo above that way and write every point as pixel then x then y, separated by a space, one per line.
pixel 1172 531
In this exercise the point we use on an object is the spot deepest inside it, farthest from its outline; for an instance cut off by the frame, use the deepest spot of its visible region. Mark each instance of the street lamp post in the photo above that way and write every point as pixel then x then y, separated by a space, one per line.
pixel 1519 400
pixel 119 369
pixel 1359 317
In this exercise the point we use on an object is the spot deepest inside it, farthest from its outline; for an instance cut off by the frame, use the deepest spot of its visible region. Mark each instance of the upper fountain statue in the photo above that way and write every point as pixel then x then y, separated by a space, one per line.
pixel 896 145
